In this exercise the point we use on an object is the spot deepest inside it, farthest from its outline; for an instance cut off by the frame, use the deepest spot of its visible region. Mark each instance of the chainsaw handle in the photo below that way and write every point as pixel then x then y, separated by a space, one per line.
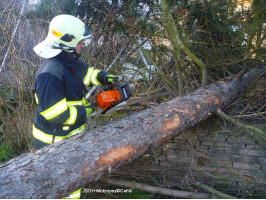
pixel 122 95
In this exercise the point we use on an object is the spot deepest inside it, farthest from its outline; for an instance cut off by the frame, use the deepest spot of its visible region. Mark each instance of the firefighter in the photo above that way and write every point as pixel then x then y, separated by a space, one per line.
pixel 60 84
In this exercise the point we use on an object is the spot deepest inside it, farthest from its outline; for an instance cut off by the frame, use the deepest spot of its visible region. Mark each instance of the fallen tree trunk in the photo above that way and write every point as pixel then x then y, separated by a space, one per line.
pixel 61 168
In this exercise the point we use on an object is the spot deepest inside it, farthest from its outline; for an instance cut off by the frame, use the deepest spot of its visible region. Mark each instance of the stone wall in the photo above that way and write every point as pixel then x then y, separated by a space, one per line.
pixel 217 156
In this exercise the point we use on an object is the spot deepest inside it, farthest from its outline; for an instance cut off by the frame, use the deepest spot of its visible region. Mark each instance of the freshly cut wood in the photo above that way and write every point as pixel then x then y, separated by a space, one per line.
pixel 157 190
pixel 61 168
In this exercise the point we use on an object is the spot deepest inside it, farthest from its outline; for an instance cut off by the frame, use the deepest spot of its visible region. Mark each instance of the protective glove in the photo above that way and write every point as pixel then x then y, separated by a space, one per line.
pixel 110 79
pixel 89 109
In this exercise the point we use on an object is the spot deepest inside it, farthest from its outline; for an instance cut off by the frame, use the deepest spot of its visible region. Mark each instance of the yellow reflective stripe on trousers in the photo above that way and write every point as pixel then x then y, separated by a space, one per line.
pixel 94 80
pixel 55 110
pixel 77 103
pixel 48 139
pixel 87 78
pixel 73 115
pixel 74 195
pixel 78 130
pixel 36 98
pixel 74 132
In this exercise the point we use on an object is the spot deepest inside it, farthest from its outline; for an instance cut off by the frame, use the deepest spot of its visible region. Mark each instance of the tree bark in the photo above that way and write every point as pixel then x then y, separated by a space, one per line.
pixel 61 168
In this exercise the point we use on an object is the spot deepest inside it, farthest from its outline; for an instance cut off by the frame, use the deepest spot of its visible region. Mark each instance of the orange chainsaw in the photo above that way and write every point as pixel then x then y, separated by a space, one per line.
pixel 112 99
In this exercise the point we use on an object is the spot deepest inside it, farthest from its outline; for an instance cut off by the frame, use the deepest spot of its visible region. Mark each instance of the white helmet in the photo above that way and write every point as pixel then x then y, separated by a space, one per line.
pixel 65 31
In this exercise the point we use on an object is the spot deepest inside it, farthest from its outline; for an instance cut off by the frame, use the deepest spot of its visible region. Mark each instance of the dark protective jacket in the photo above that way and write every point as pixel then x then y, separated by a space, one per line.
pixel 60 88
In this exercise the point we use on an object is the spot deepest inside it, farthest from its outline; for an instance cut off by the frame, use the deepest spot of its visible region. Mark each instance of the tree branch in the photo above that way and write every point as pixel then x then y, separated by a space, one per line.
pixel 213 191
pixel 252 131
pixel 156 190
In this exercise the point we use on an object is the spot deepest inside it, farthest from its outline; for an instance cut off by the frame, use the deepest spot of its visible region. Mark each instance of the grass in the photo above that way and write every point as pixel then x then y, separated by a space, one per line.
pixel 16 111
pixel 7 151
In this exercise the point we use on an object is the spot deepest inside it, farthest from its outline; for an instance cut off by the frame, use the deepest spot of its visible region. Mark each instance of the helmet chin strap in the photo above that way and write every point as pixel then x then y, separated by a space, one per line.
pixel 71 50
pixel 73 53
pixel 77 54
pixel 64 48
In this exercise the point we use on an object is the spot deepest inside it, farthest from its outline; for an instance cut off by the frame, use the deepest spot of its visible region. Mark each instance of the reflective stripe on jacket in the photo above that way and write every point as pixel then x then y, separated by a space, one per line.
pixel 60 88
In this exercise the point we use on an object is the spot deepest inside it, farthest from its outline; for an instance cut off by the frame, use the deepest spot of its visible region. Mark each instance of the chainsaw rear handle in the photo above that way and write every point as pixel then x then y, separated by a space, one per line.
pixel 118 86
